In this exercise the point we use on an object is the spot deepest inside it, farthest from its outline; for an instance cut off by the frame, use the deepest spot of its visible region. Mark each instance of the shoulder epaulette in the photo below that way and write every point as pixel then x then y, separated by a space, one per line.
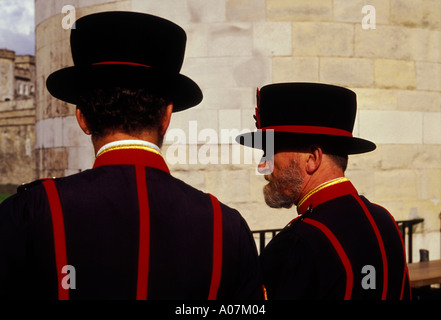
pixel 27 186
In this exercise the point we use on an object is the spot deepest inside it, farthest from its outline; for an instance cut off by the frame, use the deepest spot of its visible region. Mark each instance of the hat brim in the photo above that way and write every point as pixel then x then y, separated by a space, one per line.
pixel 69 83
pixel 287 140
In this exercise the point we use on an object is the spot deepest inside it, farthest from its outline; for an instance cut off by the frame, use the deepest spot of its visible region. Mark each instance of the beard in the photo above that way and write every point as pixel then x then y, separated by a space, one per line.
pixel 285 190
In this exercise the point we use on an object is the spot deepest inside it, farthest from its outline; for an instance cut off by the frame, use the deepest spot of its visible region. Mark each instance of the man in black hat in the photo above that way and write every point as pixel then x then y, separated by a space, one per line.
pixel 125 229
pixel 341 246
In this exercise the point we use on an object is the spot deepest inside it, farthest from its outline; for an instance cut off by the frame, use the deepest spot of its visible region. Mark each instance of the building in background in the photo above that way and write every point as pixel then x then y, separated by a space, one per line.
pixel 17 120
pixel 235 46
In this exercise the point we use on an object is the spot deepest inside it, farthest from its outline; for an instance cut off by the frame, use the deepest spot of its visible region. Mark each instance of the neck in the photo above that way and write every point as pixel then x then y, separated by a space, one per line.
pixel 325 173
pixel 99 142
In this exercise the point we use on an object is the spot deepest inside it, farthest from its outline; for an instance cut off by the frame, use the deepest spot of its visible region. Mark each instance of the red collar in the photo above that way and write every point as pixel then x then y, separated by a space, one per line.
pixel 325 192
pixel 132 156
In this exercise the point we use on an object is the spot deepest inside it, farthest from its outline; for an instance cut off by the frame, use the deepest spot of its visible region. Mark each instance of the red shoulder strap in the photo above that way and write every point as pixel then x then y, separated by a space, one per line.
pixel 380 244
pixel 217 248
pixel 144 234
pixel 340 251
pixel 59 237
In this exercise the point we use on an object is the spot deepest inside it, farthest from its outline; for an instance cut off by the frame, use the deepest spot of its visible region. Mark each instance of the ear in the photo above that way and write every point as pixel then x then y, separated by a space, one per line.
pixel 166 119
pixel 82 121
pixel 314 159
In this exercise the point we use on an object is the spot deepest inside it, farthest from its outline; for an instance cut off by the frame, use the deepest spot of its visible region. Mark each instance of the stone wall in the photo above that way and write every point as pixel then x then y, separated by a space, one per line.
pixel 235 46
pixel 7 74
pixel 17 137
pixel 17 120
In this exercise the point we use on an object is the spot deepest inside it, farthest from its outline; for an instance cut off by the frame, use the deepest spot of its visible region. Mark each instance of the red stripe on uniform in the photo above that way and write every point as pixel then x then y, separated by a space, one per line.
pixel 341 253
pixel 380 243
pixel 405 272
pixel 144 234
pixel 59 236
pixel 217 249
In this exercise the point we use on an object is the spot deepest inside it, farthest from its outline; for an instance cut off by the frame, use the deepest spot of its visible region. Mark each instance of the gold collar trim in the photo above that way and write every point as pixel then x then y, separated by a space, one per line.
pixel 129 146
pixel 321 187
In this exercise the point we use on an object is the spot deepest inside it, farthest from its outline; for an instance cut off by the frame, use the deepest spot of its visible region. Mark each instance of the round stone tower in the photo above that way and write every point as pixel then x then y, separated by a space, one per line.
pixel 388 52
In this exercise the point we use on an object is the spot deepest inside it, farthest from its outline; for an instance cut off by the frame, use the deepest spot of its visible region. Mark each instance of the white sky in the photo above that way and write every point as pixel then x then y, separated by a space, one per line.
pixel 17 26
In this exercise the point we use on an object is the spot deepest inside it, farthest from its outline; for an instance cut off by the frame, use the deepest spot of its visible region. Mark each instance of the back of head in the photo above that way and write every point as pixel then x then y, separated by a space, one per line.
pixel 120 109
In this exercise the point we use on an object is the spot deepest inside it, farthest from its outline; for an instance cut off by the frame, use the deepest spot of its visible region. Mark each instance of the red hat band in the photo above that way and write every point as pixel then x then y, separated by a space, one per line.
pixel 309 130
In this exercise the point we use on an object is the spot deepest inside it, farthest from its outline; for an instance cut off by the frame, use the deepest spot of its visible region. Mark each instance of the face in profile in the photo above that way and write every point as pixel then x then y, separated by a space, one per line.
pixel 284 181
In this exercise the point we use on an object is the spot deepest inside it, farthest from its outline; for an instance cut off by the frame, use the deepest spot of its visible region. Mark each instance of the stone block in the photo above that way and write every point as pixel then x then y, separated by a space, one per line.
pixel 428 76
pixel 273 38
pixel 72 134
pixel 363 180
pixel 390 42
pixel 259 216
pixel 406 12
pixel 49 133
pixel 391 126
pixel 376 99
pixel 223 184
pixel 432 14
pixel 230 119
pixel 185 127
pixel 425 44
pixel 213 72
pixel 432 128
pixel 302 69
pixel 50 30
pixel 370 161
pixel 427 156
pixel 233 39
pixel 431 186
pixel 245 10
pixel 300 10
pixel 252 71
pixel 106 5
pixel 352 72
pixel 174 10
pixel 50 58
pixel 228 98
pixel 184 11
pixel 7 80
pixel 55 159
pixel 90 3
pixel 47 8
pixel 80 158
pixel 401 184
pixel 413 100
pixel 195 179
pixel 322 39
pixel 397 156
pixel 395 74
pixel 197 40
pixel 426 209
pixel 351 11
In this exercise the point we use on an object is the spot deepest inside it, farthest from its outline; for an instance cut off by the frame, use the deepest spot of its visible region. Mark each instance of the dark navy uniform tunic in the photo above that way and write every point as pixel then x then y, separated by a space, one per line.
pixel 130 230
pixel 340 247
